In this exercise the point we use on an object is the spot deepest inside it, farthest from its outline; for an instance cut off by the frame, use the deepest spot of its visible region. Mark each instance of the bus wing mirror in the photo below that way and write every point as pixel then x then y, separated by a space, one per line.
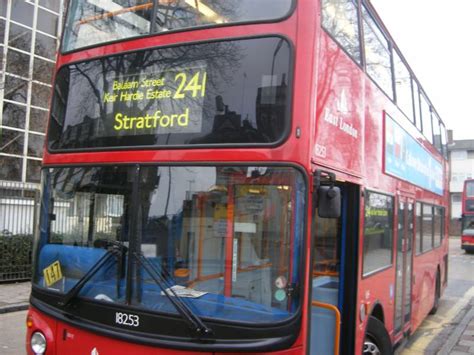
pixel 329 201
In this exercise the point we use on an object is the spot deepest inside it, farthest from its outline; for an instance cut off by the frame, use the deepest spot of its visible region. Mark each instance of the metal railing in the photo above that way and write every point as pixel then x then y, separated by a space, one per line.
pixel 18 208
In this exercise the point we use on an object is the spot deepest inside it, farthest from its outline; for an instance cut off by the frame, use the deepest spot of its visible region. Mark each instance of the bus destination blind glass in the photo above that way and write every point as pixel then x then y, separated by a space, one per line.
pixel 233 92
pixel 180 95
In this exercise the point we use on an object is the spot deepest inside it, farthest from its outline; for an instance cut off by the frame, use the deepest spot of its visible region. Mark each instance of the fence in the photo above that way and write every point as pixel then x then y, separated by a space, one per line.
pixel 18 208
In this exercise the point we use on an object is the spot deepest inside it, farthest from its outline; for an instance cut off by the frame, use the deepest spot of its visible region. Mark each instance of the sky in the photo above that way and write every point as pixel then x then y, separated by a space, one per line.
pixel 437 39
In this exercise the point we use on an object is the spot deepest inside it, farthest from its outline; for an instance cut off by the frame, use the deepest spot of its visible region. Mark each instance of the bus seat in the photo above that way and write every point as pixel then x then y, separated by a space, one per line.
pixel 75 261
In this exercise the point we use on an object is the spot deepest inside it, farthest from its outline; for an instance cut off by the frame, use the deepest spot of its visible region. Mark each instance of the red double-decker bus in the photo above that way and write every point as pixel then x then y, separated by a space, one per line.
pixel 467 218
pixel 236 176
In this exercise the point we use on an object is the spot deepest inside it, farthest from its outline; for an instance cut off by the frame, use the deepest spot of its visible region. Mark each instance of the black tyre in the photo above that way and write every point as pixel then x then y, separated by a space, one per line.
pixel 377 340
pixel 437 295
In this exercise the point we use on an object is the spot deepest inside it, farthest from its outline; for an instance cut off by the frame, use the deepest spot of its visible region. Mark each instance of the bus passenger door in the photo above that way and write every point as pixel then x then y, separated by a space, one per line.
pixel 334 277
pixel 403 280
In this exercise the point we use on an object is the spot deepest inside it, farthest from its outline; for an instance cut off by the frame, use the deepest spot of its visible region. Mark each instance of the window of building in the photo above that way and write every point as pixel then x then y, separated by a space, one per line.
pixel 18 63
pixel 47 22
pixel 11 141
pixel 378 225
pixel 3 9
pixel 16 89
pixel 10 168
pixel 22 12
pixel 19 37
pixel 43 70
pixel 33 170
pixel 456 198
pixel 38 119
pixel 50 4
pixel 341 21
pixel 2 30
pixel 459 155
pixel 377 54
pixel 35 145
pixel 22 126
pixel 42 95
pixel 45 46
pixel 13 115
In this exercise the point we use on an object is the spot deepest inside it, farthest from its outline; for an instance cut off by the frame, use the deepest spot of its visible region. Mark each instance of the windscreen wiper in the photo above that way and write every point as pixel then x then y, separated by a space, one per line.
pixel 116 250
pixel 193 320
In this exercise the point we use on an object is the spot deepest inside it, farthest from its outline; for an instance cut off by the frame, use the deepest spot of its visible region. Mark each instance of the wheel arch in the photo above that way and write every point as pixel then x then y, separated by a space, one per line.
pixel 377 312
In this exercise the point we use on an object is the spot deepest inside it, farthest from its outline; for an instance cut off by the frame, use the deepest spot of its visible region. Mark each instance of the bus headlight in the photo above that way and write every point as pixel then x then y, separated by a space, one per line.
pixel 38 343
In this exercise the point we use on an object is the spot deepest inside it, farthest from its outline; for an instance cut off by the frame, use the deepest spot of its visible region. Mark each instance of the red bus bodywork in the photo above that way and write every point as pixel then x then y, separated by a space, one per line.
pixel 322 73
pixel 467 236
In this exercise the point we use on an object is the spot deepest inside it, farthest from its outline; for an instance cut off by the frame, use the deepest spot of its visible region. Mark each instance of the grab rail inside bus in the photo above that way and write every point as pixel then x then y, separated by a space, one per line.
pixel 124 10
pixel 337 331
pixel 198 5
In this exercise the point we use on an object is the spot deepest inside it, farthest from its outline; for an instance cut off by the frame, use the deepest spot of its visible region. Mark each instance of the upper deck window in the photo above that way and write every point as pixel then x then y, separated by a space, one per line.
pixel 443 140
pixel 377 54
pixel 91 22
pixel 228 92
pixel 426 119
pixel 403 87
pixel 416 104
pixel 340 20
pixel 437 132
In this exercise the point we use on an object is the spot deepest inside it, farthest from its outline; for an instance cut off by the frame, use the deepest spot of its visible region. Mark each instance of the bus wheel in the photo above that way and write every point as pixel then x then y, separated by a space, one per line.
pixel 437 295
pixel 377 340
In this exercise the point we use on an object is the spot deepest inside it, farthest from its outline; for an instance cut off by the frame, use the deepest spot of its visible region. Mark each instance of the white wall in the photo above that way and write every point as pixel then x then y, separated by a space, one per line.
pixel 462 168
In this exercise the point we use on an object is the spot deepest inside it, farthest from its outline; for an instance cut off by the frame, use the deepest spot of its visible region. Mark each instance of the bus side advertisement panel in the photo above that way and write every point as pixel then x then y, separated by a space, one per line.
pixel 406 159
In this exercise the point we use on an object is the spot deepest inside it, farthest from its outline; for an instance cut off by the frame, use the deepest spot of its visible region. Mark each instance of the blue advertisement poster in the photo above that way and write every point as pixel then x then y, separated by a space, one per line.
pixel 406 159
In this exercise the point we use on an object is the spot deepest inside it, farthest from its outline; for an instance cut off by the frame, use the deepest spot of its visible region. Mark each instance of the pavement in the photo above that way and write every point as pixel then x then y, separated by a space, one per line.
pixel 15 297
pixel 461 340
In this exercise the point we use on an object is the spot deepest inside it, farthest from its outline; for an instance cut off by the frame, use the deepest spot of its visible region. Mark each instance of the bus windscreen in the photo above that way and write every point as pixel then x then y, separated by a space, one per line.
pixel 91 22
pixel 224 238
pixel 469 188
pixel 232 92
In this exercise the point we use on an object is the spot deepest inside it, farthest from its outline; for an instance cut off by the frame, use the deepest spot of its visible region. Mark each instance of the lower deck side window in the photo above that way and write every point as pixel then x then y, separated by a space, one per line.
pixel 378 235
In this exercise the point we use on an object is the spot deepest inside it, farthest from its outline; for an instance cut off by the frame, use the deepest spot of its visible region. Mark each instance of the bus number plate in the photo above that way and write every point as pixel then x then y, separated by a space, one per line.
pixel 52 273
pixel 131 320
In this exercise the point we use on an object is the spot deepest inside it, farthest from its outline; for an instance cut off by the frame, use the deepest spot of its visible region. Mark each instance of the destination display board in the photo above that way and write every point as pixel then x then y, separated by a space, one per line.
pixel 232 92
pixel 170 101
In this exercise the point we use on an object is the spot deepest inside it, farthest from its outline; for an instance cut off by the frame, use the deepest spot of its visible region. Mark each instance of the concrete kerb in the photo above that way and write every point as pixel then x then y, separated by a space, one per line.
pixel 458 332
pixel 14 307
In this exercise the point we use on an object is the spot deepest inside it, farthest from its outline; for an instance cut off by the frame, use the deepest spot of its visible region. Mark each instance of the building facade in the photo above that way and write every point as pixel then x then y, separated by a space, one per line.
pixel 29 31
pixel 461 158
